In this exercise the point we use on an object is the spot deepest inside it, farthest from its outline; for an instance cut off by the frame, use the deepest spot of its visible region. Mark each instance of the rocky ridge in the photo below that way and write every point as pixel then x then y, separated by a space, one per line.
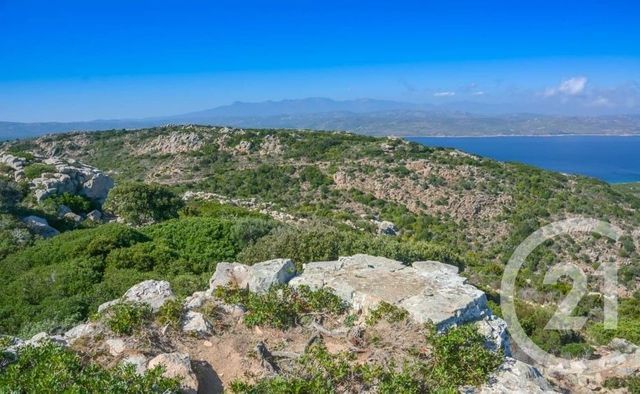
pixel 430 291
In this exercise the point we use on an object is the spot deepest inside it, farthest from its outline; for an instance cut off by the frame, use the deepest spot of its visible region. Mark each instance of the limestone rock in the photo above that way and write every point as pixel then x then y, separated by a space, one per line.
pixel 97 188
pixel 515 377
pixel 268 273
pixel 495 330
pixel 73 217
pixel 177 365
pixel 40 226
pixel 116 346
pixel 85 330
pixel 151 292
pixel 387 228
pixel 106 305
pixel 94 216
pixel 16 163
pixel 196 300
pixel 429 291
pixel 195 323
pixel 229 274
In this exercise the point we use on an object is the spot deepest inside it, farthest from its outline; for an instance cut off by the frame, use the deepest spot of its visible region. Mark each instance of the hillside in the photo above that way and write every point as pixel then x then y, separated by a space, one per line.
pixel 254 195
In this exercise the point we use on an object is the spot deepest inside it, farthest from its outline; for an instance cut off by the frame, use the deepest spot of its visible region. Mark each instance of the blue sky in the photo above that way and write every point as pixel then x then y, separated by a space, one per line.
pixel 79 60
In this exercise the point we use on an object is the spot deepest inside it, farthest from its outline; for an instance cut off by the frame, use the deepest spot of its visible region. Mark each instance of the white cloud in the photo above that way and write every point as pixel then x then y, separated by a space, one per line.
pixel 480 93
pixel 444 94
pixel 570 87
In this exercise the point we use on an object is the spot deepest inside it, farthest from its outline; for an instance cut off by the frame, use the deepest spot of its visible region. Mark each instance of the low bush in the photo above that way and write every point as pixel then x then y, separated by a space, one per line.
pixel 64 279
pixel 126 318
pixel 170 313
pixel 282 306
pixel 388 312
pixel 53 369
pixel 33 171
pixel 319 243
pixel 459 359
pixel 139 203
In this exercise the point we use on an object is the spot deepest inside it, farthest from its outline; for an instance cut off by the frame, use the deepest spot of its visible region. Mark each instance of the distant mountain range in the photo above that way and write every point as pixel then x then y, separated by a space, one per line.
pixel 377 117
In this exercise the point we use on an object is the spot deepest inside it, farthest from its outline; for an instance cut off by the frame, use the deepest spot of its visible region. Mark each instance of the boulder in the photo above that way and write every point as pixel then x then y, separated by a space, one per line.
pixel 63 210
pixel 40 226
pixel 229 274
pixel 387 228
pixel 268 273
pixel 430 291
pixel 73 217
pixel 151 292
pixel 97 188
pixel 195 323
pixel 177 365
pixel 515 377
pixel 94 216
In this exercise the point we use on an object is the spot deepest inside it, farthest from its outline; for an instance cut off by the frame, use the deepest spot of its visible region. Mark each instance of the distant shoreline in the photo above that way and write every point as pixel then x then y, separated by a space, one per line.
pixel 520 135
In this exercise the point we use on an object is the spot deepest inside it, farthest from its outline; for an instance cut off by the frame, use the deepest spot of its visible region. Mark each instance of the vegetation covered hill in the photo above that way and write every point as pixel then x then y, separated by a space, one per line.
pixel 252 195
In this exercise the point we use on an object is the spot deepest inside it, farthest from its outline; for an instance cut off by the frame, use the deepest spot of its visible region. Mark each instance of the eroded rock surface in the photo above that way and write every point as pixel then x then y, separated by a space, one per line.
pixel 177 365
pixel 430 291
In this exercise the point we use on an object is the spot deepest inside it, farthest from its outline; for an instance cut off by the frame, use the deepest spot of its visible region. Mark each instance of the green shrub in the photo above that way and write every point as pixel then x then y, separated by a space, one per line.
pixel 53 369
pixel 77 203
pixel 10 195
pixel 322 243
pixel 282 306
pixel 126 318
pixel 631 383
pixel 62 280
pixel 170 314
pixel 460 357
pixel 139 203
pixel 628 324
pixel 388 312
pixel 33 171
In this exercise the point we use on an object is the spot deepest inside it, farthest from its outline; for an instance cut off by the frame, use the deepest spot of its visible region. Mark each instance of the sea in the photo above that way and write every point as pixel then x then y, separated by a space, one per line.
pixel 614 159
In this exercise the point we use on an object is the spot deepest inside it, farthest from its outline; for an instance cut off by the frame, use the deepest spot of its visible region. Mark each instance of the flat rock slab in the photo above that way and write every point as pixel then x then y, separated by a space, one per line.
pixel 429 290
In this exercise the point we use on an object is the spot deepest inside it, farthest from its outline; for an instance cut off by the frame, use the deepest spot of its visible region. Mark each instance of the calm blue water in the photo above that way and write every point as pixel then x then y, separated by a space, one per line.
pixel 612 159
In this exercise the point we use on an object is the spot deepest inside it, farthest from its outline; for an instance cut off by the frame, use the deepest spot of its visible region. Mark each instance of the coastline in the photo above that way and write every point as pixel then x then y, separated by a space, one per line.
pixel 518 135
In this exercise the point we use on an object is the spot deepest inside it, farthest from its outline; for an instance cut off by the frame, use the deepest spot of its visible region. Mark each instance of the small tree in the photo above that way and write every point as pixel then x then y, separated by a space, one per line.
pixel 10 195
pixel 139 203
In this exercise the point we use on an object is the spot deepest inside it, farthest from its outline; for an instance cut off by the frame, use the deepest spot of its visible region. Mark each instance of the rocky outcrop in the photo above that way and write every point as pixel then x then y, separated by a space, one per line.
pixel 430 291
pixel 67 176
pixel 257 278
pixel 269 273
pixel 515 377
